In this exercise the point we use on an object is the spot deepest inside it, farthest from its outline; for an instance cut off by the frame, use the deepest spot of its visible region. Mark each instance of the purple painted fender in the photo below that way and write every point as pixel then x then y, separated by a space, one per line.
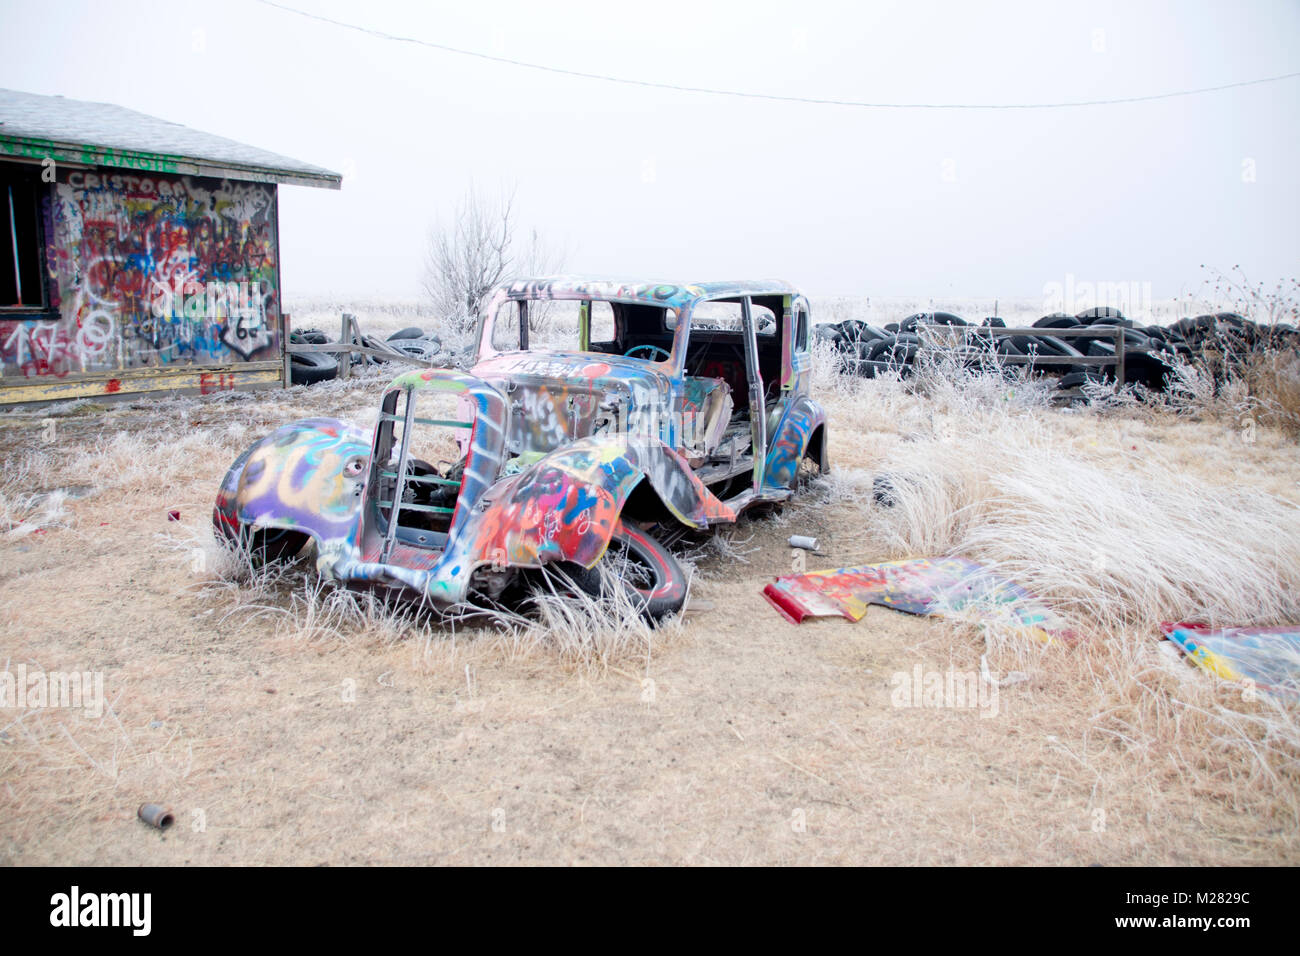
pixel 305 476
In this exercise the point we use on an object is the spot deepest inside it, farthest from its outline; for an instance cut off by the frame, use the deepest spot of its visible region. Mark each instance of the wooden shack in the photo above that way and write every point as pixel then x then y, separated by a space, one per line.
pixel 137 255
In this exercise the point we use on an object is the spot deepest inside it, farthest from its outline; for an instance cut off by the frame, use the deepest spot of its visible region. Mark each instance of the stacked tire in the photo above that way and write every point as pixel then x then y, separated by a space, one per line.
pixel 1223 343
pixel 308 368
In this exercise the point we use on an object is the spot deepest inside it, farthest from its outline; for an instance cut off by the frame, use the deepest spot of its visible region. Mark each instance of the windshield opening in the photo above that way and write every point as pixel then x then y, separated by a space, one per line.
pixel 584 325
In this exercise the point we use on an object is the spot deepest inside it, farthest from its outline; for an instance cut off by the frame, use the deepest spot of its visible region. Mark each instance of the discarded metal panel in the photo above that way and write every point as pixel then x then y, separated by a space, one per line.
pixel 917 586
pixel 1267 656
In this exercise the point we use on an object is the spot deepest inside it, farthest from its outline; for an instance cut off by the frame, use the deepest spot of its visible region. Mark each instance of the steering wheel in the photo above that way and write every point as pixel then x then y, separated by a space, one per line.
pixel 651 348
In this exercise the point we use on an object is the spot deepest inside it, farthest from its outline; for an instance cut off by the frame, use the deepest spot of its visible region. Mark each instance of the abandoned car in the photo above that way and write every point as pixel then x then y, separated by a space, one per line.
pixel 598 417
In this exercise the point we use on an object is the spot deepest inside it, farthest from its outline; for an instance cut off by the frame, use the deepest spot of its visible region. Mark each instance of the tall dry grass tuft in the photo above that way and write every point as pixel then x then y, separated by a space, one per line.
pixel 26 505
pixel 1273 380
pixel 591 632
pixel 1256 376
pixel 1111 548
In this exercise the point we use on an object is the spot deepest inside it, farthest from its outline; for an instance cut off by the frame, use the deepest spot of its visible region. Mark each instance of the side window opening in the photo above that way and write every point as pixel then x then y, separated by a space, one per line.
pixel 716 346
pixel 21 282
pixel 765 321
pixel 718 315
pixel 602 335
pixel 505 327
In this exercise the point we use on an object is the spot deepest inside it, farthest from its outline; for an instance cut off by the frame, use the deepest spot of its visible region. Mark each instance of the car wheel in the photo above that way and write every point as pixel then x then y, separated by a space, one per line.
pixel 265 546
pixel 653 578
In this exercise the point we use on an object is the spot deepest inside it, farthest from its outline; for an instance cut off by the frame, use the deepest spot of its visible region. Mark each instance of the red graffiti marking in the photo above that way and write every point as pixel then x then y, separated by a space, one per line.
pixel 210 382
pixel 113 385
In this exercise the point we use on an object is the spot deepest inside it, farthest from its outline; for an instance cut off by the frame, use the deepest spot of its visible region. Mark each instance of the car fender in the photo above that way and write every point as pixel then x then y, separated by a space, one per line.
pixel 789 442
pixel 568 504
pixel 305 476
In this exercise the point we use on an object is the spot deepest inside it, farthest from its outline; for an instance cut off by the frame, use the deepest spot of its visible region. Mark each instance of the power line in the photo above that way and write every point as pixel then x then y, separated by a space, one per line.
pixel 651 84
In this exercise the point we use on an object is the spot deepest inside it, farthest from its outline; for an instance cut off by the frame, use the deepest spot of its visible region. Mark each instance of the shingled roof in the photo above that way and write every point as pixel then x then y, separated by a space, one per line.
pixel 101 134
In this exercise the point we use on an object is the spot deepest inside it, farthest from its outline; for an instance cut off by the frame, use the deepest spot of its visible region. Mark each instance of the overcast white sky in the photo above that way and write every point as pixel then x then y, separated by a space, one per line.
pixel 688 186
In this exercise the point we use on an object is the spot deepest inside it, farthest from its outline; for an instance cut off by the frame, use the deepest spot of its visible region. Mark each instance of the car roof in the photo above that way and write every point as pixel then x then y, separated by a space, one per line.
pixel 674 294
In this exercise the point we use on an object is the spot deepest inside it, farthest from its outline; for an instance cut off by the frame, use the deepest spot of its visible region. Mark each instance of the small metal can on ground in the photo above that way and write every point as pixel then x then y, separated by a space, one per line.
pixel 156 815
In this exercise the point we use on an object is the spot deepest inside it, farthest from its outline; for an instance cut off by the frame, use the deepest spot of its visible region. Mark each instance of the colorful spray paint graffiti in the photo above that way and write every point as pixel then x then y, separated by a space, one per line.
pixel 560 444
pixel 938 586
pixel 1268 657
pixel 151 271
pixel 791 441
pixel 302 476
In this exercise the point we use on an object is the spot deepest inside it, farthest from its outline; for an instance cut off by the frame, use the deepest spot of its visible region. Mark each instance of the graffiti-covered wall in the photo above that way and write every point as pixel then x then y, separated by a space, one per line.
pixel 150 272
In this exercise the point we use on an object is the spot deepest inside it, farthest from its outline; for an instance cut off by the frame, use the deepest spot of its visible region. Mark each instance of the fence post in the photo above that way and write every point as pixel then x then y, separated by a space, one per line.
pixel 345 338
pixel 1119 357
pixel 284 350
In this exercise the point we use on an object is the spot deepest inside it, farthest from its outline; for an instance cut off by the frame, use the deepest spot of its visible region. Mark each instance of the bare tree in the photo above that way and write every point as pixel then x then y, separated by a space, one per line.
pixel 467 257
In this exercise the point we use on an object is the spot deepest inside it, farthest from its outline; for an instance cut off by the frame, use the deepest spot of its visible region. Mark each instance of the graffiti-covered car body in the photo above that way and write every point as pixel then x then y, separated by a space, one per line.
pixel 595 414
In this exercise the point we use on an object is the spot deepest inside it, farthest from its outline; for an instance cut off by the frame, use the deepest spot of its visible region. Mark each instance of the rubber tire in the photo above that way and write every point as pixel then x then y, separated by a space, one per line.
pixel 309 368
pixel 408 333
pixel 1133 338
pixel 669 593
pixel 1101 312
pixel 854 330
pixel 421 348
pixel 896 353
pixel 270 545
pixel 881 348
pixel 1076 379
pixel 1049 346
pixel 1059 347
pixel 830 333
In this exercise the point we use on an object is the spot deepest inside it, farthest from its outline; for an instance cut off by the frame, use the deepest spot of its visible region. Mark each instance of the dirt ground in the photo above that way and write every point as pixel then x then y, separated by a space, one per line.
pixel 739 738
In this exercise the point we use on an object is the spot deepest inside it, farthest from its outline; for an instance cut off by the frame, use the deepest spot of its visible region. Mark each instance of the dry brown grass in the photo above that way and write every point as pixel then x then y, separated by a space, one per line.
pixel 1273 379
pixel 300 725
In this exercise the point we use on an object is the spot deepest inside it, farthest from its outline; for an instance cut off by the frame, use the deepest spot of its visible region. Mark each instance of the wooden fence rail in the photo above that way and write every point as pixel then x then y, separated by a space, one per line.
pixel 350 341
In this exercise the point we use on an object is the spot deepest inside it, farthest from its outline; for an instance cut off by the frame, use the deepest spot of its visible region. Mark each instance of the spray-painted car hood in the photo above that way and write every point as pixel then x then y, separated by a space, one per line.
pixel 558 397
